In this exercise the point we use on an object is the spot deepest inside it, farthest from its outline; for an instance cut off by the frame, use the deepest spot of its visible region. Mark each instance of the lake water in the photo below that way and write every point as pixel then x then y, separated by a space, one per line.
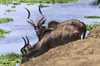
pixel 13 42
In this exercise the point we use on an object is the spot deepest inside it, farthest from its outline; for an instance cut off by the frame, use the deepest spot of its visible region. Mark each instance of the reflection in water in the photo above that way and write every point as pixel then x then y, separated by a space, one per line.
pixel 17 64
pixel 20 27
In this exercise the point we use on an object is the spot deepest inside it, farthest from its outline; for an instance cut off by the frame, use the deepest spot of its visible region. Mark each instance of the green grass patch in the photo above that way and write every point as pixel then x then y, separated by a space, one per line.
pixel 26 1
pixel 4 20
pixel 30 4
pixel 2 31
pixel 56 1
pixel 93 17
pixel 10 59
pixel 5 2
pixel 10 10
pixel 43 6
pixel 91 26
pixel 17 2
pixel 48 1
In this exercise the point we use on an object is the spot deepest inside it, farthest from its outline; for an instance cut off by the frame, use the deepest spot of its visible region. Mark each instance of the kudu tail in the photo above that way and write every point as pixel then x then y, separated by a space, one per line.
pixel 84 33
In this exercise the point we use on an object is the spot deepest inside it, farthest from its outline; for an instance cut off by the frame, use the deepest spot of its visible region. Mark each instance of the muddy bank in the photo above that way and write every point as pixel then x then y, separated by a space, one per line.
pixel 78 53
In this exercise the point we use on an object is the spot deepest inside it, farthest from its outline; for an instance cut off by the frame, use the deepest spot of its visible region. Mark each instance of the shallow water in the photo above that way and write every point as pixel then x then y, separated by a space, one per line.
pixel 20 27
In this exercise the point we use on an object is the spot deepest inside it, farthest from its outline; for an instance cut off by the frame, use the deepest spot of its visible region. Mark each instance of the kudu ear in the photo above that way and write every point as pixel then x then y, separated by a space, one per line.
pixel 42 22
pixel 47 30
pixel 53 24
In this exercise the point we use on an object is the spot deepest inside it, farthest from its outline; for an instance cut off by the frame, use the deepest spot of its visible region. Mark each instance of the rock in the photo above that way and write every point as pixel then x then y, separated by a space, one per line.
pixel 84 52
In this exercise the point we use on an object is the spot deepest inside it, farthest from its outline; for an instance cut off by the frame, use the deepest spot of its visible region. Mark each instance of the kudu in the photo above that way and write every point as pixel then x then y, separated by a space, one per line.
pixel 80 26
pixel 51 39
pixel 39 26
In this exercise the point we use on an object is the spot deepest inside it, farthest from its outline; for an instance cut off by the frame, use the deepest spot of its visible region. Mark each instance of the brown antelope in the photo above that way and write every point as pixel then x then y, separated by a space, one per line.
pixel 54 24
pixel 51 39
pixel 80 26
pixel 39 26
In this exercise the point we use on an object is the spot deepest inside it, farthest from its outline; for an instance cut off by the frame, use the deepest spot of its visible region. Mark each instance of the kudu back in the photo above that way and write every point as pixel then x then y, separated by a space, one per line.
pixel 79 25
pixel 39 26
pixel 51 39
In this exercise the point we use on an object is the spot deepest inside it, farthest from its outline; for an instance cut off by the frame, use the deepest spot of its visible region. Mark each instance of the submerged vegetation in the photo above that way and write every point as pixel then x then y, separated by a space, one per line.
pixel 93 17
pixel 98 2
pixel 4 20
pixel 10 10
pixel 16 3
pixel 2 31
pixel 91 26
pixel 13 6
pixel 10 59
pixel 53 1
pixel 30 4
pixel 43 6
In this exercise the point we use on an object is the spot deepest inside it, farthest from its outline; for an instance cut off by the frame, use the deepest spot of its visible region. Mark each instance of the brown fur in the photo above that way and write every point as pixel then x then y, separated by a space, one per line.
pixel 80 26
pixel 51 39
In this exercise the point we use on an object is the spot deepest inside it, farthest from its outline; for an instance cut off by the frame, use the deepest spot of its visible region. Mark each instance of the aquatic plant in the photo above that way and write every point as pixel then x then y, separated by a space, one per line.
pixel 91 26
pixel 13 6
pixel 98 2
pixel 56 1
pixel 2 32
pixel 10 10
pixel 43 6
pixel 30 4
pixel 4 13
pixel 93 17
pixel 4 20
pixel 10 59
pixel 5 2
pixel 17 2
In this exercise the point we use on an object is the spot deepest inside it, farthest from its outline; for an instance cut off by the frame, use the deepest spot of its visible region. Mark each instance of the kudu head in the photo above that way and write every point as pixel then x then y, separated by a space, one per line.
pixel 24 50
pixel 27 51
pixel 39 26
